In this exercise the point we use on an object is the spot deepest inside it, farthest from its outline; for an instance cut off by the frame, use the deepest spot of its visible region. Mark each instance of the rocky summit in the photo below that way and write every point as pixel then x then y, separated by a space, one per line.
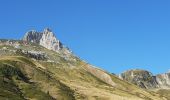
pixel 142 78
pixel 146 79
pixel 163 80
pixel 46 39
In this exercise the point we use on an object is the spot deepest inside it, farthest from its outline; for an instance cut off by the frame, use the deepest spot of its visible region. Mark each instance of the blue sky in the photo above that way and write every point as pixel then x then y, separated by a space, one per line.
pixel 115 35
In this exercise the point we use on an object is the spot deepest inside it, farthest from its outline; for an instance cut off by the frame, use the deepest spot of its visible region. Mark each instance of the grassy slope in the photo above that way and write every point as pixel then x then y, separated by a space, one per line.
pixel 66 80
pixel 75 83
pixel 164 92
pixel 37 80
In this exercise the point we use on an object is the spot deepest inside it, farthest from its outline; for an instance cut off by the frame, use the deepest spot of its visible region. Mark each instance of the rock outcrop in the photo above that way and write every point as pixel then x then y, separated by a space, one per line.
pixel 46 39
pixel 33 36
pixel 163 80
pixel 142 78
pixel 38 55
pixel 145 79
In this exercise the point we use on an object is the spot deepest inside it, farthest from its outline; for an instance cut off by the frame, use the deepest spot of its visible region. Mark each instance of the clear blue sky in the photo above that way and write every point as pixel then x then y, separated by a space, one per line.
pixel 115 35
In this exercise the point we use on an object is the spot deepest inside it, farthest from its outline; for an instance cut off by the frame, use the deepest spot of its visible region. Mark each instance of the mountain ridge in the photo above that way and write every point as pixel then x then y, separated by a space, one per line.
pixel 146 79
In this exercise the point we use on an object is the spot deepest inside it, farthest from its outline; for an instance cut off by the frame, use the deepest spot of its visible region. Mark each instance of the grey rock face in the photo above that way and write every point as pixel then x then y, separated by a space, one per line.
pixel 145 79
pixel 33 36
pixel 142 78
pixel 49 40
pixel 46 39
pixel 163 80
pixel 38 55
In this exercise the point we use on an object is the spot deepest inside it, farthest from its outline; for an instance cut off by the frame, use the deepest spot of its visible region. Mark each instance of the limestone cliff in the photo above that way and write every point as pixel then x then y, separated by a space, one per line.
pixel 46 39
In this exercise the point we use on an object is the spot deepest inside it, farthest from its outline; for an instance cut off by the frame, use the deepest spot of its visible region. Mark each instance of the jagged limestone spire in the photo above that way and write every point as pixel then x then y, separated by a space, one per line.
pixel 32 36
pixel 46 39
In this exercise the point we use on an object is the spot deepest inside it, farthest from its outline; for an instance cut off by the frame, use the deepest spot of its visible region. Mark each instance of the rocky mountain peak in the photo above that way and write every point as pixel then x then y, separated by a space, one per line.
pixel 146 79
pixel 32 36
pixel 46 39
pixel 142 78
pixel 163 79
pixel 47 30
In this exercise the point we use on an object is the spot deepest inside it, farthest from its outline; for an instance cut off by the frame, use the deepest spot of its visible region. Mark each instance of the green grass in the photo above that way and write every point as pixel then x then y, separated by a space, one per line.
pixel 32 91
pixel 9 71
pixel 8 90
pixel 11 77
pixel 7 86
pixel 17 69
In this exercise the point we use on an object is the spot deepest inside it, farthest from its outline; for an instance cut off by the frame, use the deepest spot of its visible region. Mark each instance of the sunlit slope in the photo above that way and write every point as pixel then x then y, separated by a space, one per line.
pixel 77 83
pixel 62 78
pixel 31 80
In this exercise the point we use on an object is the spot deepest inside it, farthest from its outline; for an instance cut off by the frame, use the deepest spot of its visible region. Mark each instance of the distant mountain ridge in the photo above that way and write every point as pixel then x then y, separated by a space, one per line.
pixel 163 80
pixel 146 79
